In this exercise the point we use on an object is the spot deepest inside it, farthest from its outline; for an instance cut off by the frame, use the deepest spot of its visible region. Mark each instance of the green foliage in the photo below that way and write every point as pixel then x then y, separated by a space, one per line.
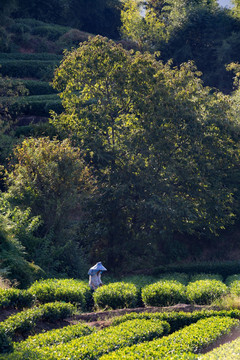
pixel 177 276
pixel 37 69
pixel 54 337
pixel 191 339
pixel 162 146
pixel 223 268
pixel 51 178
pixel 25 321
pixel 37 105
pixel 147 30
pixel 229 350
pixel 15 298
pixel 176 320
pixel 205 291
pixel 68 290
pixel 110 339
pixel 235 287
pixel 204 276
pixel 232 278
pixel 36 87
pixel 164 293
pixel 116 296
pixel 5 341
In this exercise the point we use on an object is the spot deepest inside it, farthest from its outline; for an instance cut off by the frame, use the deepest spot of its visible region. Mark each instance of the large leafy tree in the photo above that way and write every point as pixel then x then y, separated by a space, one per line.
pixel 185 30
pixel 51 178
pixel 160 142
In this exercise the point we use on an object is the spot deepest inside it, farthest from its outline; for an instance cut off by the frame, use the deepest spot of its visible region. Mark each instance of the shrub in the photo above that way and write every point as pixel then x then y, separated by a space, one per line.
pixel 25 321
pixel 230 350
pixel 203 276
pixel 163 293
pixel 73 37
pixel 15 298
pixel 68 290
pixel 139 281
pixel 38 105
pixel 107 340
pixel 5 341
pixel 116 296
pixel 180 277
pixel 51 32
pixel 28 68
pixel 177 320
pixel 235 287
pixel 191 339
pixel 37 87
pixel 224 268
pixel 230 279
pixel 205 291
pixel 55 337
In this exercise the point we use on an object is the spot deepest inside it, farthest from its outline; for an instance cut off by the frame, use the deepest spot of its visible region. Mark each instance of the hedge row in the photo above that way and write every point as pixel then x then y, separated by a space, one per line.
pixel 38 105
pixel 69 290
pixel 191 339
pixel 161 293
pixel 37 69
pixel 177 320
pixel 103 341
pixel 15 298
pixel 25 321
pixel 227 351
pixel 54 337
pixel 36 87
pixel 224 268
pixel 30 56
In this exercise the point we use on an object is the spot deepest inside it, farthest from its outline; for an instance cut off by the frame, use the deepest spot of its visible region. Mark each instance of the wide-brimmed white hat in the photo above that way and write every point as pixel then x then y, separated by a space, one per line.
pixel 97 267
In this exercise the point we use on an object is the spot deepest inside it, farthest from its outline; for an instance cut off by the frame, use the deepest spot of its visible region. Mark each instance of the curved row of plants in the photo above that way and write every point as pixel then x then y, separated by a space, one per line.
pixel 192 339
pixel 230 350
pixel 124 331
pixel 100 342
pixel 25 321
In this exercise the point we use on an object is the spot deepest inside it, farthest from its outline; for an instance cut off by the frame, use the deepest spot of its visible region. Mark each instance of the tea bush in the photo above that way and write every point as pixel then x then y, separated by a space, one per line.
pixel 191 339
pixel 116 296
pixel 180 277
pixel 230 350
pixel 54 337
pixel 235 287
pixel 15 298
pixel 37 87
pixel 38 69
pixel 139 281
pixel 203 276
pixel 231 278
pixel 25 321
pixel 103 341
pixel 5 341
pixel 68 290
pixel 177 320
pixel 163 293
pixel 205 291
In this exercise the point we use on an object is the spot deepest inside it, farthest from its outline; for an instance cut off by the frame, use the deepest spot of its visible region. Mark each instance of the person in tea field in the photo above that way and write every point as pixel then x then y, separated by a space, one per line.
pixel 95 275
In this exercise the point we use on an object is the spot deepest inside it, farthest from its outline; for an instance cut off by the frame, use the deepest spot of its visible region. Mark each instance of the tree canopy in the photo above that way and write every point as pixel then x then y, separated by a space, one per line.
pixel 164 145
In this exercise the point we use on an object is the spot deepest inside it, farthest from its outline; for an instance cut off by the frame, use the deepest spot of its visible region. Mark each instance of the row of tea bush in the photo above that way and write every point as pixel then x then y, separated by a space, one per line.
pixel 130 293
pixel 133 339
